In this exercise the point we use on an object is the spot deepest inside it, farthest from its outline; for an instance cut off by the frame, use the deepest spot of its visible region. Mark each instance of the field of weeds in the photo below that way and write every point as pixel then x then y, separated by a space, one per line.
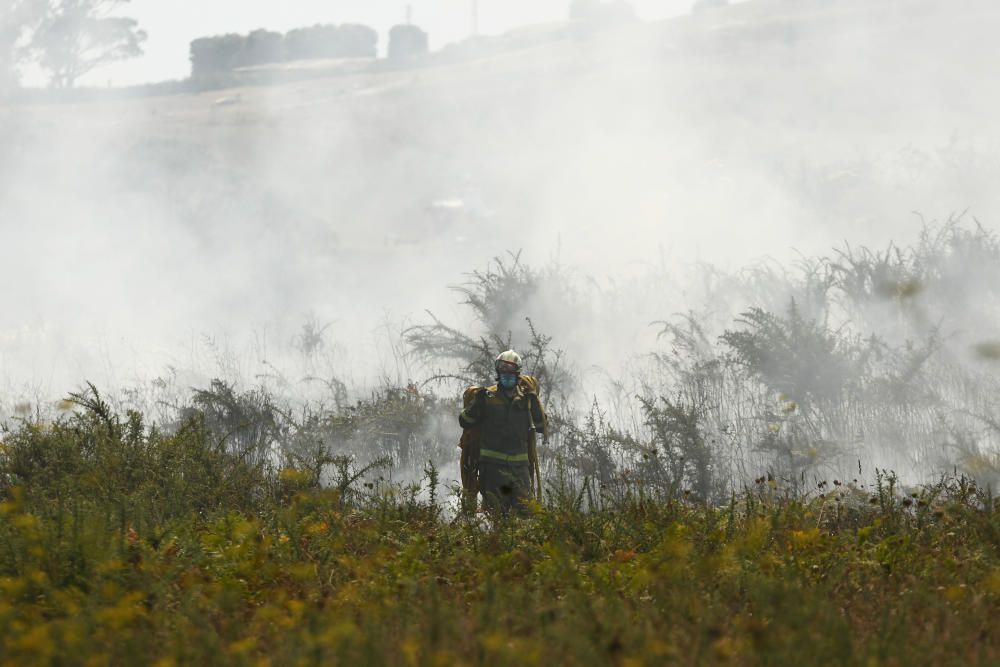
pixel 120 545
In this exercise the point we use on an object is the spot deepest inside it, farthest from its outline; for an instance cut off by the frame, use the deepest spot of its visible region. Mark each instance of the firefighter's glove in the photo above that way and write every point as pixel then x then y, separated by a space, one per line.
pixel 471 415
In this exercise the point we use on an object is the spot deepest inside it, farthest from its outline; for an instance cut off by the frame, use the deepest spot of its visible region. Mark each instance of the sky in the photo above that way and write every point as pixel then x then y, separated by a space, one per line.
pixel 171 26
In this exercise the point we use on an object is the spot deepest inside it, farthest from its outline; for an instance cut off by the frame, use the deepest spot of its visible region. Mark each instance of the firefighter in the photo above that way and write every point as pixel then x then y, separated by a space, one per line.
pixel 499 456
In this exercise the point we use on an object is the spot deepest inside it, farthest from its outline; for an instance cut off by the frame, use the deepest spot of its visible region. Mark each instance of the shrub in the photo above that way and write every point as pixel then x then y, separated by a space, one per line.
pixel 504 298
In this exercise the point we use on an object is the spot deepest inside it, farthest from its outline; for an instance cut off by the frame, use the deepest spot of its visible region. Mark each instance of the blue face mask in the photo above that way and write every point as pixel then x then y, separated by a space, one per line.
pixel 508 380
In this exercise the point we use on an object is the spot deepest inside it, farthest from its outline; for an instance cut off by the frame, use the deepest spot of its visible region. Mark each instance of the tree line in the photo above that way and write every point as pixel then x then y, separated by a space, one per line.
pixel 224 53
pixel 67 39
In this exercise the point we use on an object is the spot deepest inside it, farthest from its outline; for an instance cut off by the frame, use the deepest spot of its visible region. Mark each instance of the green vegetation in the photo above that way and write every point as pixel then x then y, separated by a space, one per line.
pixel 125 545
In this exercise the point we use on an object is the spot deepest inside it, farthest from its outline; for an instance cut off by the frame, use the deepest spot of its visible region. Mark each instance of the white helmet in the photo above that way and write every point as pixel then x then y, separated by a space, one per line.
pixel 508 362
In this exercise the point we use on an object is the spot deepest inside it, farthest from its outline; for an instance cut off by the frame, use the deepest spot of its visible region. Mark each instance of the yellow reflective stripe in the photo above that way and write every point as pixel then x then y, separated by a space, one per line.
pixel 512 458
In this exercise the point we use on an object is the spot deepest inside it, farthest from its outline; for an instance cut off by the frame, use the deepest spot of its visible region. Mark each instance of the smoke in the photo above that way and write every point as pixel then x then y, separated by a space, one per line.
pixel 200 235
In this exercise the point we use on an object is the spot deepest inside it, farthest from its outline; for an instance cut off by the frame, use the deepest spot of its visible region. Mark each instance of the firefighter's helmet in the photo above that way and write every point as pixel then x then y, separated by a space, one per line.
pixel 508 362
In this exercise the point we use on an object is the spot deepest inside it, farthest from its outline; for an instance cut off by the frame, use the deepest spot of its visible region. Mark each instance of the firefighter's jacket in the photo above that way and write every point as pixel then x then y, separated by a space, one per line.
pixel 506 421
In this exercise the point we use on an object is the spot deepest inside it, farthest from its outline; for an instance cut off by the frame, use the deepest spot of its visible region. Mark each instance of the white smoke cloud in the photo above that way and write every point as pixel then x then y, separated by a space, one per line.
pixel 200 232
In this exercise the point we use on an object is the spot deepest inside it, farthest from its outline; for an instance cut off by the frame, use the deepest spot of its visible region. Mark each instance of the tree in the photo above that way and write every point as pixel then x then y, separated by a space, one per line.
pixel 407 42
pixel 18 21
pixel 78 36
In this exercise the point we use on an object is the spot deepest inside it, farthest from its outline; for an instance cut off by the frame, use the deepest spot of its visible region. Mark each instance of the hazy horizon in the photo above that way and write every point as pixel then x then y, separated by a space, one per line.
pixel 170 29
